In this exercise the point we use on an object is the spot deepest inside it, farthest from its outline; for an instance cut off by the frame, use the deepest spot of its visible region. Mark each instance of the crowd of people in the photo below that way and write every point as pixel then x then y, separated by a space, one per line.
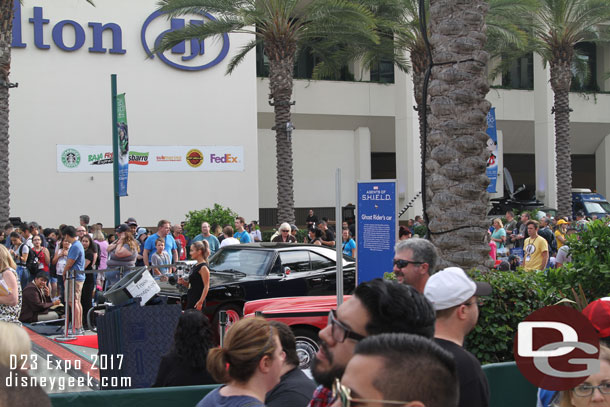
pixel 41 268
pixel 417 322
pixel 533 244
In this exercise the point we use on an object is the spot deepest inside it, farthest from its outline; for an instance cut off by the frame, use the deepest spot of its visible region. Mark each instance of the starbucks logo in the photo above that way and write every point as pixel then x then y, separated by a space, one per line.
pixel 70 158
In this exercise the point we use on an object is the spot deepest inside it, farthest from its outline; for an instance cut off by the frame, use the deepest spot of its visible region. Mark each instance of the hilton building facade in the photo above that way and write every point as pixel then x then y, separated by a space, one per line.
pixel 199 137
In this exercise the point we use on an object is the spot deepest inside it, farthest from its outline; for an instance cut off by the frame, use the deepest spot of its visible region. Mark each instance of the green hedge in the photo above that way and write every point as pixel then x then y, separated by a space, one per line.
pixel 517 294
pixel 217 215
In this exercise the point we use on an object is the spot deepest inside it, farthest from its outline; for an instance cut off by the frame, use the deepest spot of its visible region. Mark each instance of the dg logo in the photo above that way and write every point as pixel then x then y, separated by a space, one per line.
pixel 556 348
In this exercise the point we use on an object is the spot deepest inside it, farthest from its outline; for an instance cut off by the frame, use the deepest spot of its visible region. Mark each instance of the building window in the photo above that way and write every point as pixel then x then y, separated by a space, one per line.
pixel 382 72
pixel 304 64
pixel 383 165
pixel 584 70
pixel 520 75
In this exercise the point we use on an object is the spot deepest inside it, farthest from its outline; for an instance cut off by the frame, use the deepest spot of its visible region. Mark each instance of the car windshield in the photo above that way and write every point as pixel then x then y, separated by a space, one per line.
pixel 597 207
pixel 251 262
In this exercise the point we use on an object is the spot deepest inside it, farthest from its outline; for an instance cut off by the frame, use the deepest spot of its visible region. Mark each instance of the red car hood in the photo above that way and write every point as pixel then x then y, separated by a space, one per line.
pixel 293 304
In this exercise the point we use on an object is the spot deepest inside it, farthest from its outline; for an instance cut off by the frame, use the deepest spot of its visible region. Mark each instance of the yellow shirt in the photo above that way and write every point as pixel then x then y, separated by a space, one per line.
pixel 532 253
pixel 558 233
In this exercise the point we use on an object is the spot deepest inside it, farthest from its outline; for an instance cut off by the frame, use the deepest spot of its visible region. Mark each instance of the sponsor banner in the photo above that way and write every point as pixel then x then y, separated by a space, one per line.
pixel 492 149
pixel 123 141
pixel 98 158
pixel 376 228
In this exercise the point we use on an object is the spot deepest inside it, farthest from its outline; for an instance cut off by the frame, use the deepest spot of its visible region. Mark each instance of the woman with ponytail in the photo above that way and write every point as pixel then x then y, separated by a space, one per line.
pixel 249 365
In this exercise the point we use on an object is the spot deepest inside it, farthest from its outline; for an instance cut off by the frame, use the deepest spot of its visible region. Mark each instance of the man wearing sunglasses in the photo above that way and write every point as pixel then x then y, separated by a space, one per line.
pixel 377 306
pixel 454 296
pixel 415 260
pixel 376 374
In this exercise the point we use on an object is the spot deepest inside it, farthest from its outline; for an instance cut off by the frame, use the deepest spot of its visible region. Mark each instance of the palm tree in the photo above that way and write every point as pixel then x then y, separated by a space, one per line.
pixel 280 26
pixel 558 25
pixel 456 194
pixel 403 18
pixel 6 31
pixel 6 19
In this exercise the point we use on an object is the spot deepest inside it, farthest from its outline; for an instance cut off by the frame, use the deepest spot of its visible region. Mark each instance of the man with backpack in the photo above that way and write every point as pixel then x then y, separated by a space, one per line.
pixel 545 231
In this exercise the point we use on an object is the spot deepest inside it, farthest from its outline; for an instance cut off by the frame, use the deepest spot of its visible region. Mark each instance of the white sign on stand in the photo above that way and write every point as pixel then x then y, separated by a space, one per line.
pixel 145 288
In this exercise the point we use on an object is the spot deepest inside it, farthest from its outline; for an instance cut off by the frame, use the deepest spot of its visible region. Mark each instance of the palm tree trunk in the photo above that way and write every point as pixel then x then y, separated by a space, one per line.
pixel 561 78
pixel 280 86
pixel 419 63
pixel 6 28
pixel 455 168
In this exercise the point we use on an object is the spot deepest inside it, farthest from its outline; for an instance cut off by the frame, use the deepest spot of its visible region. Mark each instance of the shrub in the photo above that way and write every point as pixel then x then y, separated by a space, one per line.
pixel 217 215
pixel 516 294
pixel 267 234
pixel 590 267
pixel 420 230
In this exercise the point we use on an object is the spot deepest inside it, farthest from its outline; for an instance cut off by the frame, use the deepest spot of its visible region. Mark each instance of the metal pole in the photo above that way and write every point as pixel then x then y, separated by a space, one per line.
pixel 222 316
pixel 67 335
pixel 339 237
pixel 115 152
pixel 73 301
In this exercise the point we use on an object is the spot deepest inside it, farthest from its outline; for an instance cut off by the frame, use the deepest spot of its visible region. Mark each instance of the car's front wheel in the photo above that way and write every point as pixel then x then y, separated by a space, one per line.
pixel 307 346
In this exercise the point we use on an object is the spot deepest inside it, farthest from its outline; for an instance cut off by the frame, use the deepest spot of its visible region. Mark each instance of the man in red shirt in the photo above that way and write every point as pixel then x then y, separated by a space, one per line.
pixel 180 241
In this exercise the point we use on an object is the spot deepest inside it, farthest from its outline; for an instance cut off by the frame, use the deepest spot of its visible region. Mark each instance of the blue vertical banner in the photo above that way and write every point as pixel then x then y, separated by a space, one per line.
pixel 376 228
pixel 123 141
pixel 492 149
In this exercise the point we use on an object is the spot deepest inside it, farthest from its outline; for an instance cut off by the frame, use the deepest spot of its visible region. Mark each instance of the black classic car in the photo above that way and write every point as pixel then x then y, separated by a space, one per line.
pixel 246 272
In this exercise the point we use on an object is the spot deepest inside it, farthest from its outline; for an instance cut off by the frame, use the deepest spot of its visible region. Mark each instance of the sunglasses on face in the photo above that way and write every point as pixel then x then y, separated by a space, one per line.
pixel 401 264
pixel 343 393
pixel 340 332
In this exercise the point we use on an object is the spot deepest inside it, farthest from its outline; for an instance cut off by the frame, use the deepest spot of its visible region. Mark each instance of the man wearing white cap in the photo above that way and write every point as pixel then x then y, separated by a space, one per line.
pixel 454 297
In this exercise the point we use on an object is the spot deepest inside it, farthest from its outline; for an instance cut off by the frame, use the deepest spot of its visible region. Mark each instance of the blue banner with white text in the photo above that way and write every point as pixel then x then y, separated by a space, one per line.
pixel 376 229
pixel 492 149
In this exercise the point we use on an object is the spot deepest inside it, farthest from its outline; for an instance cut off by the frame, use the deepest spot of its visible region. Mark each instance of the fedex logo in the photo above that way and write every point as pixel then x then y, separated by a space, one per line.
pixel 226 158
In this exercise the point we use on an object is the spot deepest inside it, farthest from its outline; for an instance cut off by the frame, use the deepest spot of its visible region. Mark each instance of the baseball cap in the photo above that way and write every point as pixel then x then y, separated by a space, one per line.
pixel 598 312
pixel 451 287
pixel 121 228
pixel 42 274
pixel 140 232
pixel 294 227
pixel 561 222
pixel 131 221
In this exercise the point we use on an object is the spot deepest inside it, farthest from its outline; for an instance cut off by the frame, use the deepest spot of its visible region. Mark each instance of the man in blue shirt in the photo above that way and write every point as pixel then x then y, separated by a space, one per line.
pixel 75 264
pixel 206 235
pixel 163 229
pixel 240 231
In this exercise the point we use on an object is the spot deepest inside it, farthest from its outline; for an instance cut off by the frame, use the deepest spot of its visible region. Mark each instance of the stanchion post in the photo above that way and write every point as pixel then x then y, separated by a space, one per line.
pixel 222 317
pixel 73 301
pixel 67 336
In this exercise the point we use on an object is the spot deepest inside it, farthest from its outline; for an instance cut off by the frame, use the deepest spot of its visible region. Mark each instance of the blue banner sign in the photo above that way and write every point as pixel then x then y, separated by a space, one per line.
pixel 123 144
pixel 492 149
pixel 376 228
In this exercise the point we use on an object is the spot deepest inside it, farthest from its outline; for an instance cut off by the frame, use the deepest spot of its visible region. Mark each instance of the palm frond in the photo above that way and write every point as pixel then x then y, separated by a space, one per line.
pixel 175 8
pixel 200 32
pixel 243 51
